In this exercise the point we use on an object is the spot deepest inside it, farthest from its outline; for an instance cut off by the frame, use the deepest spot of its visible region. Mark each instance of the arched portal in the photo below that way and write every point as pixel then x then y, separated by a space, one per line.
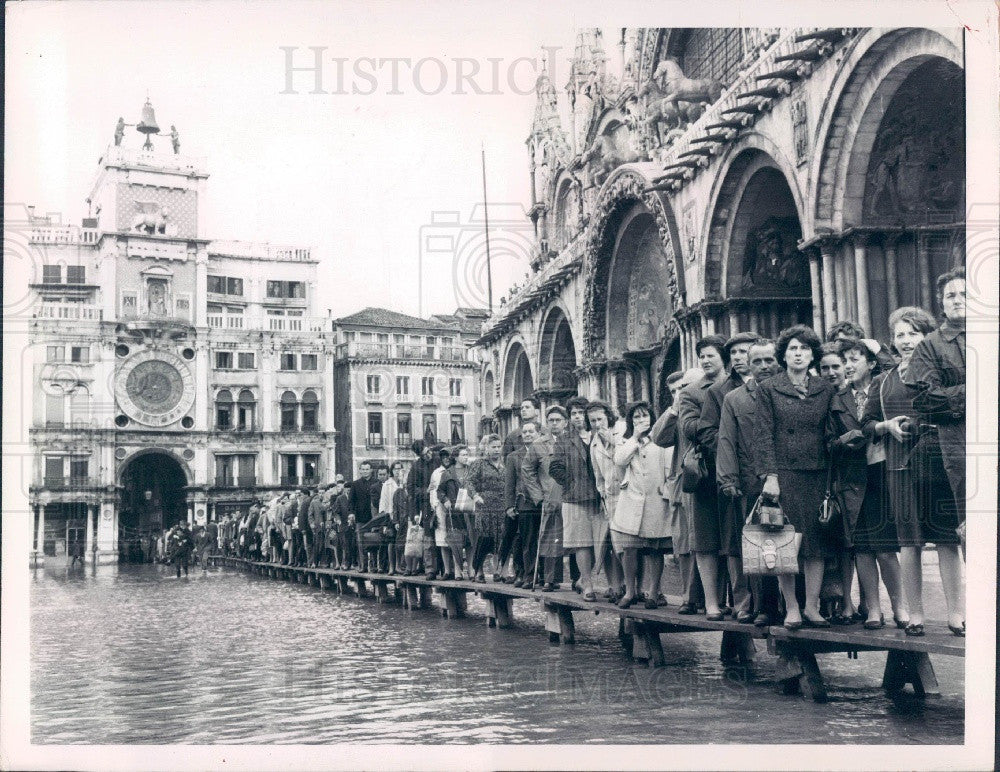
pixel 518 382
pixel 558 357
pixel 152 496
pixel 489 393
pixel 754 261
pixel 639 306
pixel 912 202
pixel 633 286
pixel 890 175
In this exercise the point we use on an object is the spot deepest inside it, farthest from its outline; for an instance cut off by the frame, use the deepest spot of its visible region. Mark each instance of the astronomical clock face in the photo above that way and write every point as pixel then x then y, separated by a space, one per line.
pixel 155 388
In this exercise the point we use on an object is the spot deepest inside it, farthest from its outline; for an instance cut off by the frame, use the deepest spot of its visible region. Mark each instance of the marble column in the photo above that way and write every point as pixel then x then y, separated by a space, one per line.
pixel 827 280
pixel 925 282
pixel 843 308
pixel 89 544
pixel 39 529
pixel 864 317
pixel 819 323
pixel 891 277
pixel 774 321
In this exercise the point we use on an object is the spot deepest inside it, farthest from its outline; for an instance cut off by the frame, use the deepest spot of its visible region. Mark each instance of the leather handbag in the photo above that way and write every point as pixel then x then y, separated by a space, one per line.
pixel 830 510
pixel 464 502
pixel 769 550
pixel 693 470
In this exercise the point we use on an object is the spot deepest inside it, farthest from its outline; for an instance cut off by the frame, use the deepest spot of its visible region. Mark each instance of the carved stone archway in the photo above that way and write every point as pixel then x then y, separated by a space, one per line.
pixel 623 198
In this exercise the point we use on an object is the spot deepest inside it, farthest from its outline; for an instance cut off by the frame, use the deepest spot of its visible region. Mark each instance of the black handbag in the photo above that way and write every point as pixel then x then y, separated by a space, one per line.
pixel 830 510
pixel 693 470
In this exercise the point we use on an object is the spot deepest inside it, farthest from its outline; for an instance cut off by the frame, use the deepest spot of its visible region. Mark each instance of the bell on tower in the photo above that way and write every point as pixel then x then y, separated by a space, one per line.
pixel 147 125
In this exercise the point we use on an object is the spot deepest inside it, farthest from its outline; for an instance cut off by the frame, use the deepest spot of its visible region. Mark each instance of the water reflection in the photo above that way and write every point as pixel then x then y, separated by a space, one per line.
pixel 133 655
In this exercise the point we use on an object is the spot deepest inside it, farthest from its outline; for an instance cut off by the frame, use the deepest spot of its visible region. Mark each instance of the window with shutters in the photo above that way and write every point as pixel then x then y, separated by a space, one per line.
pixel 310 411
pixel 404 430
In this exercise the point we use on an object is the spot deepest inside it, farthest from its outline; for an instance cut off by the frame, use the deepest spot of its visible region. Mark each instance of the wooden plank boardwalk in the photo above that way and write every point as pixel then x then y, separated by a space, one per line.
pixel 639 629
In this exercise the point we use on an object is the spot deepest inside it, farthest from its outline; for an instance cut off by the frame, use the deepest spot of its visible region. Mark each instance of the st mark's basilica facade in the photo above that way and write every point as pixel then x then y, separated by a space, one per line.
pixel 728 179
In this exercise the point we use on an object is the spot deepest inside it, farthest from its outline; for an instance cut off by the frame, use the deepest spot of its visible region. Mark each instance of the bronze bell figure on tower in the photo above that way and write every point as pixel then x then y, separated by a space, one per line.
pixel 147 125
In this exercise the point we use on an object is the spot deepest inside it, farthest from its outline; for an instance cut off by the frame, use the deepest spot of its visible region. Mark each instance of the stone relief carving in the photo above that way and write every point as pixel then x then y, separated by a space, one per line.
pixel 626 188
pixel 771 259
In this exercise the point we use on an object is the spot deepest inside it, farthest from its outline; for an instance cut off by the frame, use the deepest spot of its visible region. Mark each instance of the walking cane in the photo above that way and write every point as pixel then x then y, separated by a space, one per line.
pixel 473 540
pixel 538 547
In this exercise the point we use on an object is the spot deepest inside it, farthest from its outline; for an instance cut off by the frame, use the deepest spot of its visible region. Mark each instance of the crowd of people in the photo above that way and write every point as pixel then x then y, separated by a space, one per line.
pixel 880 428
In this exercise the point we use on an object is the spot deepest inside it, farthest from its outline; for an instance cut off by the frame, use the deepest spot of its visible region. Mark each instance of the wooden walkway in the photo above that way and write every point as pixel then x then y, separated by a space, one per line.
pixel 639 629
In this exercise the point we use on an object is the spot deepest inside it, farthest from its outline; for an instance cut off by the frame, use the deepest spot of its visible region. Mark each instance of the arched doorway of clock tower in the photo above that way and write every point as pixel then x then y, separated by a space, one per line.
pixel 152 500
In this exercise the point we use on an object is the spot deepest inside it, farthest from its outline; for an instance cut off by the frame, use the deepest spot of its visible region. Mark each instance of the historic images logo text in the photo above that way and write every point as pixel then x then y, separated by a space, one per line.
pixel 395 75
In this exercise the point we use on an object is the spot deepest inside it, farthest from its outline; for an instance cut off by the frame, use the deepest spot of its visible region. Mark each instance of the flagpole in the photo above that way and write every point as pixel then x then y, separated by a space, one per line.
pixel 486 213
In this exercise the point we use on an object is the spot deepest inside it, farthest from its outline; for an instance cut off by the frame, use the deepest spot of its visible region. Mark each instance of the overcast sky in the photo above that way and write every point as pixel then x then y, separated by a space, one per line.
pixel 357 176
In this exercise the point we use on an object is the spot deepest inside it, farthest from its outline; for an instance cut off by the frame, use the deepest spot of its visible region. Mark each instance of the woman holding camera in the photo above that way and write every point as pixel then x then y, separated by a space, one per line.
pixel 794 410
pixel 917 491
pixel 869 528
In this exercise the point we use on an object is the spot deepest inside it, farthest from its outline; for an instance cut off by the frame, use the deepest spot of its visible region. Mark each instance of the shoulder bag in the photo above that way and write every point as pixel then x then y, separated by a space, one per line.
pixel 830 510
pixel 693 470
pixel 769 550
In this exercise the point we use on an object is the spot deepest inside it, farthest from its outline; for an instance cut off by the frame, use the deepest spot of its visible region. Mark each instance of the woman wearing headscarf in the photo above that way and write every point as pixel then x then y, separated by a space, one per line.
pixel 486 477
pixel 454 478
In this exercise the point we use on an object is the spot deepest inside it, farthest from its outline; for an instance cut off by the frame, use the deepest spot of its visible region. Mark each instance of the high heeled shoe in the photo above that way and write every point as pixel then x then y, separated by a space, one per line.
pixel 959 631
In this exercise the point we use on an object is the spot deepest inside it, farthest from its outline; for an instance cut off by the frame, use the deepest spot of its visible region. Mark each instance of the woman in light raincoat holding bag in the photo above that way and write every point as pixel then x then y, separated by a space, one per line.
pixel 641 521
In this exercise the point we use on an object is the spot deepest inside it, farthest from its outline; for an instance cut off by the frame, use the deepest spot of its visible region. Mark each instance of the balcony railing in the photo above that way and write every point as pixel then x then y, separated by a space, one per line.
pixel 227 481
pixel 64 234
pixel 69 311
pixel 305 480
pixel 273 323
pixel 260 250
pixel 297 324
pixel 399 351
pixel 70 483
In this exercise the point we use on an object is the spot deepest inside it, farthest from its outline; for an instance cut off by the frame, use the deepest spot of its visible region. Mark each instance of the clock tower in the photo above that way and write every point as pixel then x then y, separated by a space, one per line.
pixel 184 377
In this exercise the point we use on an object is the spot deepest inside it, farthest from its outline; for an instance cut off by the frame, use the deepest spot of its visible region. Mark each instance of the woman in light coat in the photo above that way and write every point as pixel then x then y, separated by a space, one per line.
pixel 641 522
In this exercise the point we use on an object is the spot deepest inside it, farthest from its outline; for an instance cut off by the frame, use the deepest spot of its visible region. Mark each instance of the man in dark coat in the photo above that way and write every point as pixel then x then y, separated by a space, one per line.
pixel 737 349
pixel 304 542
pixel 359 499
pixel 252 541
pixel 179 546
pixel 344 546
pixel 318 509
pixel 417 481
pixel 530 408
pixel 737 474
pixel 520 509
pixel 937 370
pixel 359 502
